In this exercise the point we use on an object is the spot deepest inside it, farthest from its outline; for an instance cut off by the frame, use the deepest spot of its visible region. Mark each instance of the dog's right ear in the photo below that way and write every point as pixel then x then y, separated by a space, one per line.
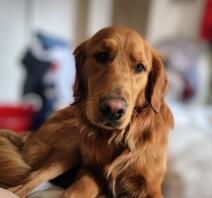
pixel 158 82
pixel 79 88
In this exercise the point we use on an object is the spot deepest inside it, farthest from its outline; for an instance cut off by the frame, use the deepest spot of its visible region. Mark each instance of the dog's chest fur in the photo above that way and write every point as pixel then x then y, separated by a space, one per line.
pixel 97 151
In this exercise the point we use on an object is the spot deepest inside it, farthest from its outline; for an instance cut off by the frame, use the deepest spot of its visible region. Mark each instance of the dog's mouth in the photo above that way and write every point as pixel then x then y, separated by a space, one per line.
pixel 110 124
pixel 105 123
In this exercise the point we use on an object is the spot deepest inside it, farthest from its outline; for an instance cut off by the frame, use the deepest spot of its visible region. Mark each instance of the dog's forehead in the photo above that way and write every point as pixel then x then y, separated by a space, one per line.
pixel 117 35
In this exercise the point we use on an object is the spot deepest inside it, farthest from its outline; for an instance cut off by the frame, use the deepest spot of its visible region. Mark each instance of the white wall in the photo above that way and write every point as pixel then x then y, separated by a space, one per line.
pixel 54 16
pixel 168 18
pixel 100 15
pixel 12 40
pixel 18 19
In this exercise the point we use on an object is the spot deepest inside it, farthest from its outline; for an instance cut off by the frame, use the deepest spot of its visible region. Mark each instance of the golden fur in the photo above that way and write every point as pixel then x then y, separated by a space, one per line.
pixel 125 159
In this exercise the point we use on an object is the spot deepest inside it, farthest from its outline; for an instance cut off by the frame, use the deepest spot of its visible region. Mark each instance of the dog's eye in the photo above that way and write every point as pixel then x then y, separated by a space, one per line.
pixel 139 68
pixel 102 57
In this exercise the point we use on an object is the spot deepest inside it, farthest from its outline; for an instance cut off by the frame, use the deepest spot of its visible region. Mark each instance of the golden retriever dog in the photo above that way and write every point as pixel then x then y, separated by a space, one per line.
pixel 116 130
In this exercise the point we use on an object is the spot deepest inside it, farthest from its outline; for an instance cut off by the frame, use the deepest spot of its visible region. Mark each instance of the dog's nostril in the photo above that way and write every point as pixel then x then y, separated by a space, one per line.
pixel 106 109
pixel 113 108
pixel 121 112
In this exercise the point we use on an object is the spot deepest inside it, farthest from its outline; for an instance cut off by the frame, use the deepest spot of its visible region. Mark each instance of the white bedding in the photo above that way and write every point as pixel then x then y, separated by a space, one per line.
pixel 190 153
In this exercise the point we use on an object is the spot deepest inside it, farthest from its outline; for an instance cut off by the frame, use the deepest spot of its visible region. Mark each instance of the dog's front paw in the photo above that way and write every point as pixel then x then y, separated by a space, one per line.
pixel 15 188
pixel 102 196
pixel 18 190
pixel 77 194
pixel 69 194
pixel 21 193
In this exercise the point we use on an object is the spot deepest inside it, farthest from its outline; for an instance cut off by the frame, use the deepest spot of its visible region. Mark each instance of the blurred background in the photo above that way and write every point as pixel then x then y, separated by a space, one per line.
pixel 37 38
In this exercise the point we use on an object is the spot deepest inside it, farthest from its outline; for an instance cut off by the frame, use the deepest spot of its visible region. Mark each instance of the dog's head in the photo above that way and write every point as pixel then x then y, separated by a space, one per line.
pixel 116 72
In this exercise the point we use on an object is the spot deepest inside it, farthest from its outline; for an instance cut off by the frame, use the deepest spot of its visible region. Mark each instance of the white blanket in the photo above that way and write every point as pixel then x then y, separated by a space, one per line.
pixel 190 153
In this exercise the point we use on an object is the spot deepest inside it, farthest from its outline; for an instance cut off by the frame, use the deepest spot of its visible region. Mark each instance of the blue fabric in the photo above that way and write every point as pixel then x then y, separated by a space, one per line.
pixel 50 41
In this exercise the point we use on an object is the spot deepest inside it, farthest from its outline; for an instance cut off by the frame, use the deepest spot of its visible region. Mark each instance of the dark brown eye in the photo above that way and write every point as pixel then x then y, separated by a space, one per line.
pixel 102 57
pixel 139 68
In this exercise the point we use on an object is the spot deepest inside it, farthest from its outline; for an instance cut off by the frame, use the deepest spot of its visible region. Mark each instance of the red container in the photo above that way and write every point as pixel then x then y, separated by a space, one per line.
pixel 16 117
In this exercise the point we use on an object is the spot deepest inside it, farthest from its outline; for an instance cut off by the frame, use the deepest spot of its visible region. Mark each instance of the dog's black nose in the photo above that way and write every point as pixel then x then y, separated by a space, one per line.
pixel 113 108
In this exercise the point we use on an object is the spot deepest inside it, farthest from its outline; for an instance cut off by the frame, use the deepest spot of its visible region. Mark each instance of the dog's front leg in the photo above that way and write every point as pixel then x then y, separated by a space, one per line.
pixel 85 186
pixel 38 177
pixel 53 167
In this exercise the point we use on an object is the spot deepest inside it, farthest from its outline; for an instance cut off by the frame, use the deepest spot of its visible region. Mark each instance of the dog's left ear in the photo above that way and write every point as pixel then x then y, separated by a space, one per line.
pixel 157 83
pixel 79 89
